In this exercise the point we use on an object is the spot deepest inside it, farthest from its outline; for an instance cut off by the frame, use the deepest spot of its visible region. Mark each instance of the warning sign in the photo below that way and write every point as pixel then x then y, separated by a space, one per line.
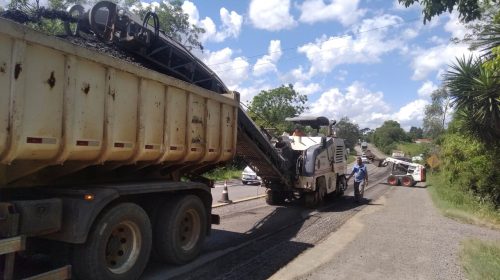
pixel 433 161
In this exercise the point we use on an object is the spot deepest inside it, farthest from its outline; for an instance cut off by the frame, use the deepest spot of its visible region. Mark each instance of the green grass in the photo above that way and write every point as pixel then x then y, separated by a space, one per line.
pixel 480 259
pixel 414 149
pixel 224 173
pixel 461 206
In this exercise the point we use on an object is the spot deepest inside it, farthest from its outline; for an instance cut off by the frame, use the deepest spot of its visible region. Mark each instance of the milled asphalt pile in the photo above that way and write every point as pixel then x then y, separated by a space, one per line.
pixel 401 236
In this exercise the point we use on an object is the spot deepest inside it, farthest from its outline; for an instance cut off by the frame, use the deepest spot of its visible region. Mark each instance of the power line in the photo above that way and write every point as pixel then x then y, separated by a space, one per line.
pixel 330 39
pixel 300 56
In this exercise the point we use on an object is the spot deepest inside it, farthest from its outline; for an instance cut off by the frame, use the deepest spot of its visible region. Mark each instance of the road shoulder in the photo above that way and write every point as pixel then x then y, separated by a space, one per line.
pixel 401 235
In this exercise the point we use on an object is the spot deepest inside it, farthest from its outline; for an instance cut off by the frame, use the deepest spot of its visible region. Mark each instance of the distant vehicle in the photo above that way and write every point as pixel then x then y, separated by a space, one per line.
pixel 248 176
pixel 364 159
pixel 364 146
pixel 397 154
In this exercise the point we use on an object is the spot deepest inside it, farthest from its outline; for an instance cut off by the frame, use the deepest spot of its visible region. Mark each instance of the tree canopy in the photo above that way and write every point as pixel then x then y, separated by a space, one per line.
pixel 349 131
pixel 388 135
pixel 271 107
pixel 173 21
pixel 436 113
pixel 468 10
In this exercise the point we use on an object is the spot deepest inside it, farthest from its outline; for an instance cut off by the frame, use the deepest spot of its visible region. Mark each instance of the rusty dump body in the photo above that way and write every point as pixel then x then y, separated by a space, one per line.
pixel 65 110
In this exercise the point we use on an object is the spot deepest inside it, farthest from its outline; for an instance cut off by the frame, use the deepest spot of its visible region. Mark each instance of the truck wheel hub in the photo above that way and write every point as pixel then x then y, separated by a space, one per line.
pixel 189 229
pixel 123 247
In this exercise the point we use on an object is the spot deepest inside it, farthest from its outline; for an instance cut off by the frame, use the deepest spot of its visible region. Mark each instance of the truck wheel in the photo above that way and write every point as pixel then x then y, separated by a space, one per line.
pixel 312 199
pixel 407 181
pixel 392 180
pixel 118 246
pixel 342 185
pixel 274 197
pixel 180 229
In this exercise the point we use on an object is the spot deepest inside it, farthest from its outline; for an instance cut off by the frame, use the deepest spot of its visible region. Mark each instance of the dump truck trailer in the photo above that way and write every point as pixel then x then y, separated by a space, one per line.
pixel 92 151
pixel 101 157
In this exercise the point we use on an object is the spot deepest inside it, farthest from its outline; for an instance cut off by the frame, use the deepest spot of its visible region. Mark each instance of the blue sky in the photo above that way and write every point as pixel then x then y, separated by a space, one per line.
pixel 369 60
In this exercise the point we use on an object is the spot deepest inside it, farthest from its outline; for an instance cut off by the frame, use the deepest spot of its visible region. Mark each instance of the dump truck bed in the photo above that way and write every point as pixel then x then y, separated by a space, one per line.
pixel 61 103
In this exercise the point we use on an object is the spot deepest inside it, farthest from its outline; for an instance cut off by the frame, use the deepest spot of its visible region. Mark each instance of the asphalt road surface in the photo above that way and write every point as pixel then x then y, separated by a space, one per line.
pixel 236 191
pixel 254 240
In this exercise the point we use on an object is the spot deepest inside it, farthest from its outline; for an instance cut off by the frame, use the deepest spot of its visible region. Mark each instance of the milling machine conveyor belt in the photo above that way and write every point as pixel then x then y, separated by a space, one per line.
pixel 258 152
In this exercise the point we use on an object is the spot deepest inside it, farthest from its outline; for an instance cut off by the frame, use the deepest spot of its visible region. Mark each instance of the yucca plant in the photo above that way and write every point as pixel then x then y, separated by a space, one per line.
pixel 475 93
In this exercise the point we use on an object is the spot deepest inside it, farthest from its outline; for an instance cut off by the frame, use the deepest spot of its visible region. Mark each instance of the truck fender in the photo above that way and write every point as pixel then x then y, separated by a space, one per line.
pixel 80 209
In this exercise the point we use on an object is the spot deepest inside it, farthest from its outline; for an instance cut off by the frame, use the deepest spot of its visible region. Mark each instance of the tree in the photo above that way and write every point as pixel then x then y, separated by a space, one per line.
pixel 174 22
pixel 436 113
pixel 270 108
pixel 415 133
pixel 388 135
pixel 349 131
pixel 468 10
pixel 475 91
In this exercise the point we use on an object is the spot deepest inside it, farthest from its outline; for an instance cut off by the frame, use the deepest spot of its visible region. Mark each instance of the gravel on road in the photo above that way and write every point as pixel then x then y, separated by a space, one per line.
pixel 400 236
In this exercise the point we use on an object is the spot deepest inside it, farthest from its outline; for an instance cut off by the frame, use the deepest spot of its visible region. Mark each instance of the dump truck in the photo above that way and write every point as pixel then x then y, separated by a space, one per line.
pixel 104 135
pixel 92 153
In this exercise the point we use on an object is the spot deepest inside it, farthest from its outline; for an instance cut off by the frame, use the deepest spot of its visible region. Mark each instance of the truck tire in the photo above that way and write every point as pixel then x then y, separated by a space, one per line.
pixel 407 181
pixel 341 186
pixel 312 199
pixel 118 245
pixel 180 229
pixel 274 197
pixel 392 180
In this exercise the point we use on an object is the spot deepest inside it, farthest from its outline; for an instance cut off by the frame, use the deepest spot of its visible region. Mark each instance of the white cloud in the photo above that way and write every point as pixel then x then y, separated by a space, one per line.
pixel 357 103
pixel 233 71
pixel 411 114
pixel 272 15
pixel 437 40
pixel 366 108
pixel 344 11
pixel 308 89
pixel 190 8
pixel 248 93
pixel 436 58
pixel 426 89
pixel 267 63
pixel 298 74
pixel 455 27
pixel 366 47
pixel 231 23
pixel 398 6
pixel 410 33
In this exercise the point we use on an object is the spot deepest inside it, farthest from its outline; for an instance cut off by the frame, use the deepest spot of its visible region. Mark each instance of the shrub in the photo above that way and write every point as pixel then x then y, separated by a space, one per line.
pixel 471 166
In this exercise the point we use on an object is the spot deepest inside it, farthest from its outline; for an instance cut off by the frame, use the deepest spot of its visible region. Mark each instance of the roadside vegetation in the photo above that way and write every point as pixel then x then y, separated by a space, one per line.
pixel 224 173
pixel 466 183
pixel 459 205
pixel 480 259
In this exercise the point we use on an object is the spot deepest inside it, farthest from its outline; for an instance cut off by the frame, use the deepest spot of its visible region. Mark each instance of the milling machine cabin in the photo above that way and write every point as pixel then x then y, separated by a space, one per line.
pixel 320 162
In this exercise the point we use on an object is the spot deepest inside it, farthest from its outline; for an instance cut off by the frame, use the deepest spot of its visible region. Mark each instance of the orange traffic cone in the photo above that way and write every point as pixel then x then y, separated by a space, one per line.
pixel 225 195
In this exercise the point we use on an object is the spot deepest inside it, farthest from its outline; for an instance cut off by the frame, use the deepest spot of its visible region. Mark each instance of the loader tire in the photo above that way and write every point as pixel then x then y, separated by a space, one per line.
pixel 117 247
pixel 180 229
pixel 392 180
pixel 407 181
